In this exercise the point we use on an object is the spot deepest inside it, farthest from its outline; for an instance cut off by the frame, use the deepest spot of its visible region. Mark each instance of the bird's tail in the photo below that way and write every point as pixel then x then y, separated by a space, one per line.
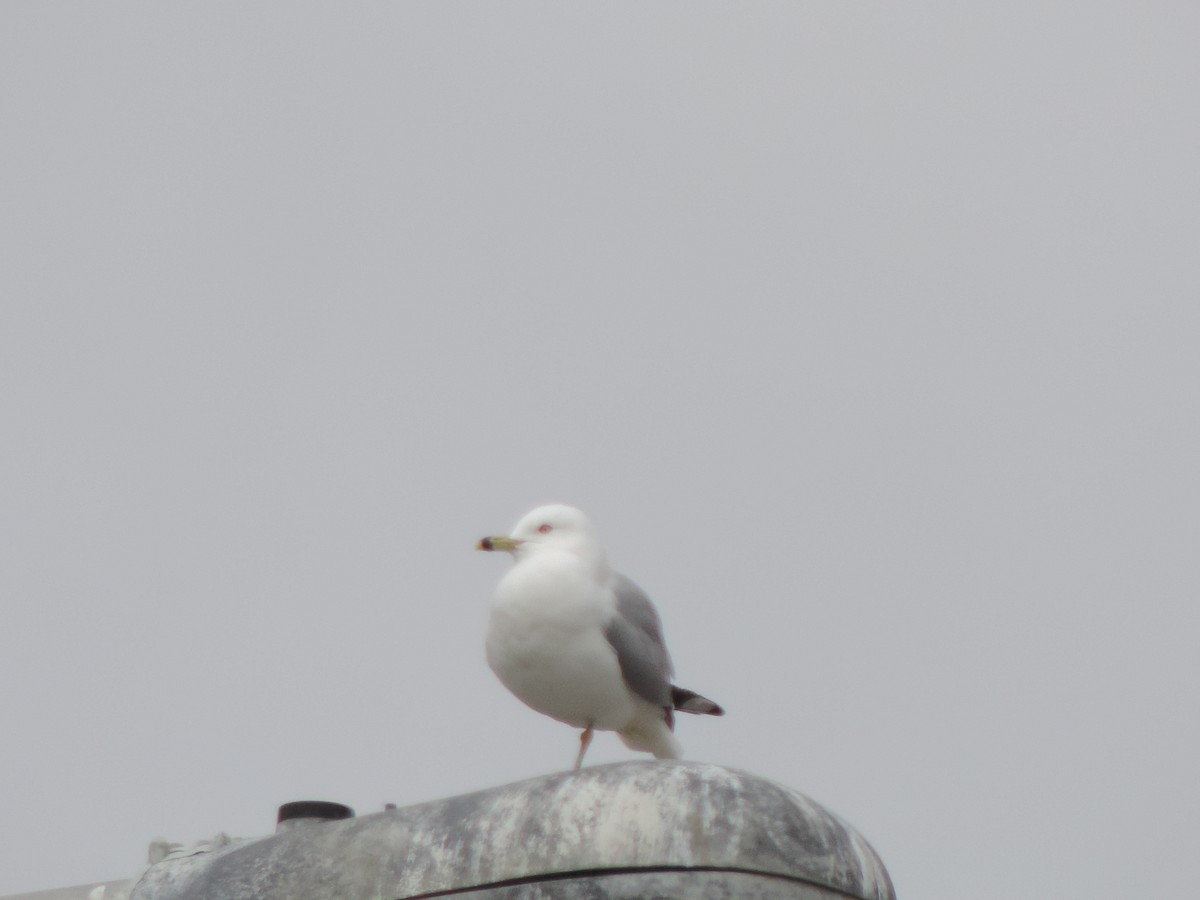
pixel 691 702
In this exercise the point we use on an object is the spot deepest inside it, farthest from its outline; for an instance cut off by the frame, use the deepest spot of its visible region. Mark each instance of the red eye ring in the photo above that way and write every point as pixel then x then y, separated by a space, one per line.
pixel 545 528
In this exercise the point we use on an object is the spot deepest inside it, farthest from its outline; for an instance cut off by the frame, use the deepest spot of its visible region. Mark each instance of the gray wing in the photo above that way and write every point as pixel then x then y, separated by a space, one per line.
pixel 636 634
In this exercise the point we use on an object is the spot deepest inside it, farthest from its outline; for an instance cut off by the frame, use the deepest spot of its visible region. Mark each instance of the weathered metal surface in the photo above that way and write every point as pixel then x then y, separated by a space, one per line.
pixel 649 828
pixel 690 885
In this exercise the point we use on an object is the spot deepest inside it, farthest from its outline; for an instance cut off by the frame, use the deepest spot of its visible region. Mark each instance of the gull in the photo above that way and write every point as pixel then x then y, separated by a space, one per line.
pixel 579 642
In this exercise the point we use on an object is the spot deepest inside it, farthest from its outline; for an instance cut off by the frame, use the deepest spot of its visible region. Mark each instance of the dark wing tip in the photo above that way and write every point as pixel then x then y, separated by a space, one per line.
pixel 691 702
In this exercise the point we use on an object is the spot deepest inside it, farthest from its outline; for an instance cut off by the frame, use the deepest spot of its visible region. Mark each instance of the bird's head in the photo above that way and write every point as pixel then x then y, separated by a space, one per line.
pixel 554 527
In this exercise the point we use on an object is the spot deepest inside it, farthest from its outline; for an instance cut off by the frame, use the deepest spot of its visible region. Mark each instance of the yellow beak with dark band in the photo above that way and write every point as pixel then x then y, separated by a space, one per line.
pixel 498 542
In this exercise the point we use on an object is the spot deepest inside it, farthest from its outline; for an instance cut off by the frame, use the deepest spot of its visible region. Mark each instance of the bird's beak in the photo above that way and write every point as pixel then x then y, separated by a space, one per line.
pixel 498 542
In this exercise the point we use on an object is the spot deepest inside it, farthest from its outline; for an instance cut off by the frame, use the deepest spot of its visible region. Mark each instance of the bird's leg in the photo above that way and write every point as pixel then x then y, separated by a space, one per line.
pixel 585 741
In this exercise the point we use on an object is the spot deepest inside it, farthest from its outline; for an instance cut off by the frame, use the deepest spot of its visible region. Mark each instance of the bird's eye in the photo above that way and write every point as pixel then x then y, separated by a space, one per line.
pixel 545 528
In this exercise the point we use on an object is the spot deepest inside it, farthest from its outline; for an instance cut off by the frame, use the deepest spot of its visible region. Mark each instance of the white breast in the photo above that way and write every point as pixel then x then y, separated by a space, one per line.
pixel 546 643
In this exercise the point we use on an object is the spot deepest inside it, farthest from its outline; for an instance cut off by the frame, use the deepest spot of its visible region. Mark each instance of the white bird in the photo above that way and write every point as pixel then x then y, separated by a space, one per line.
pixel 579 642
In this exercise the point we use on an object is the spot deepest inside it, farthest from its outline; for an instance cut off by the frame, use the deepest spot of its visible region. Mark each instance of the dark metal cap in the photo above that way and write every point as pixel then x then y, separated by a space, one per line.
pixel 322 810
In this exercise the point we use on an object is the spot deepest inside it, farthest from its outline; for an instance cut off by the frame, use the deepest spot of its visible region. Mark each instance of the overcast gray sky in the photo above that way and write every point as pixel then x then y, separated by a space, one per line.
pixel 865 333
